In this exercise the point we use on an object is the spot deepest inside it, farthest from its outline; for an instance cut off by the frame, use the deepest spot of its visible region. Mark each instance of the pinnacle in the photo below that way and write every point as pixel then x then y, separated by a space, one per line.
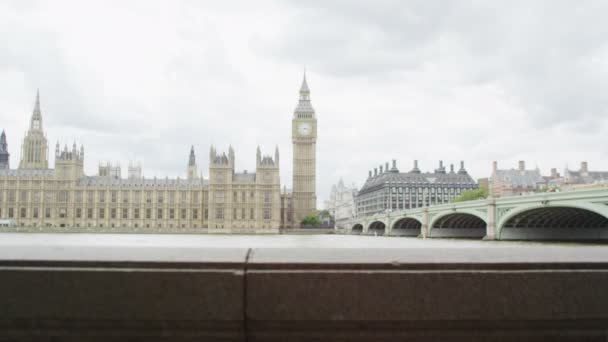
pixel 304 88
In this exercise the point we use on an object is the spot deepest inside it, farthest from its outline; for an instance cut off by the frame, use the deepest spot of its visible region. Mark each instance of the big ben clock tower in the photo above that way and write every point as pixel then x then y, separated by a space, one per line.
pixel 304 137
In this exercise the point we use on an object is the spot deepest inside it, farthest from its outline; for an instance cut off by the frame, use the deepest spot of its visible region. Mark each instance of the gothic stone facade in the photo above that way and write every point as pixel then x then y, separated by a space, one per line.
pixel 341 204
pixel 37 198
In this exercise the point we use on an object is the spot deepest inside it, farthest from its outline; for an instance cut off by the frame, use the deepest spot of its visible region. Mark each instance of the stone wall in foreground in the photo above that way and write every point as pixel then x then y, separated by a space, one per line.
pixel 190 294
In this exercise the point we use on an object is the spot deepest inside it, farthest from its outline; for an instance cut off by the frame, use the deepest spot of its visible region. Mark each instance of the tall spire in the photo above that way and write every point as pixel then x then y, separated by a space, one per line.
pixel 37 104
pixel 304 108
pixel 304 88
pixel 36 122
pixel 3 144
pixel 192 159
pixel 258 156
pixel 4 155
pixel 276 155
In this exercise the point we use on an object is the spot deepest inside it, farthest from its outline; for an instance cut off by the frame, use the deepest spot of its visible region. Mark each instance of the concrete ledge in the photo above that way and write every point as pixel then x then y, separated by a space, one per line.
pixel 268 294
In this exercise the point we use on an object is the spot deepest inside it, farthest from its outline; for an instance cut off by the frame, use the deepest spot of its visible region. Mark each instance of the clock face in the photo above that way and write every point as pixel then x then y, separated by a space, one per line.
pixel 304 129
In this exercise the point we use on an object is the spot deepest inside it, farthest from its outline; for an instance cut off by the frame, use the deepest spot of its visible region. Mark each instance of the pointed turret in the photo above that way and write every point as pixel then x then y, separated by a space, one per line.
pixel 3 144
pixel 192 169
pixel 4 155
pixel 37 104
pixel 34 150
pixel 212 154
pixel 304 88
pixel 258 156
pixel 192 158
pixel 276 155
pixel 36 122
pixel 231 157
pixel 304 108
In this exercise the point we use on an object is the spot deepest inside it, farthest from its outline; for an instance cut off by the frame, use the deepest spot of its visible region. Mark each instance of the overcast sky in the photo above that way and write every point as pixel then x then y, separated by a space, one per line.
pixel 428 80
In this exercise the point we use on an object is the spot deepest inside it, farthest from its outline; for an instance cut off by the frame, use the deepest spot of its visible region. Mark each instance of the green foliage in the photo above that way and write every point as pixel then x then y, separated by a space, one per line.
pixel 471 195
pixel 323 214
pixel 311 220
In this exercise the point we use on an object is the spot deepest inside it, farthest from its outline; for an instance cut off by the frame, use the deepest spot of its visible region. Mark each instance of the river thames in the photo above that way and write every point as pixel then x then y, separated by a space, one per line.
pixel 259 241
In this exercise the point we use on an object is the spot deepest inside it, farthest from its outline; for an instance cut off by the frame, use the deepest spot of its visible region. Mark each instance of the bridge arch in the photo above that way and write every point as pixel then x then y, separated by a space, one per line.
pixel 578 221
pixel 357 228
pixel 377 228
pixel 458 224
pixel 406 226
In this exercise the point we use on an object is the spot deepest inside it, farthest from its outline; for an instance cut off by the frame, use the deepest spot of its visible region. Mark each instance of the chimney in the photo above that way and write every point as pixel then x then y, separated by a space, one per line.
pixel 380 168
pixel 441 164
pixel 394 169
pixel 375 172
pixel 451 168
pixel 370 174
pixel 415 164
pixel 553 173
pixel 584 167
pixel 462 170
pixel 494 166
pixel 386 167
pixel 522 165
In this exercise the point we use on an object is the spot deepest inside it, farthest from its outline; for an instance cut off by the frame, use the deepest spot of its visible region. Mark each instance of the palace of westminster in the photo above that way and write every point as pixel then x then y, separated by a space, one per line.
pixel 40 198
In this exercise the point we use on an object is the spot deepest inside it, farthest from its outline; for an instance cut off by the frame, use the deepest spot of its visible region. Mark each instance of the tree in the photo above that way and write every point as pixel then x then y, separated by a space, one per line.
pixel 324 214
pixel 311 220
pixel 471 195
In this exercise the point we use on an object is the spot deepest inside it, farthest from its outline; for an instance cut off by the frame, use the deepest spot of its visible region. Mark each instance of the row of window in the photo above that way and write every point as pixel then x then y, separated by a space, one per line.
pixel 219 214
pixel 220 196
pixel 63 196
pixel 113 213
pixel 101 195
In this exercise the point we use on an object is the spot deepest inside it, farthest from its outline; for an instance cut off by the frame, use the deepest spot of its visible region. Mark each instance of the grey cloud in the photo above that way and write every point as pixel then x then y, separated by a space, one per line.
pixel 541 53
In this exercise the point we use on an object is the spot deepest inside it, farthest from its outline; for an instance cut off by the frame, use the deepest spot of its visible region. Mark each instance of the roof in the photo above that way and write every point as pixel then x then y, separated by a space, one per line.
pixel 28 172
pixel 589 177
pixel 519 178
pixel 416 179
pixel 139 182
pixel 304 105
pixel 244 177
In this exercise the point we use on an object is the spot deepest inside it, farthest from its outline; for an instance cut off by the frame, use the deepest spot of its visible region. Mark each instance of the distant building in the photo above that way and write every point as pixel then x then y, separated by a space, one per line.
pixel 38 197
pixel 287 209
pixel 518 181
pixel 389 189
pixel 584 176
pixel 34 150
pixel 341 203
pixel 109 170
pixel 134 171
pixel 575 179
pixel 521 181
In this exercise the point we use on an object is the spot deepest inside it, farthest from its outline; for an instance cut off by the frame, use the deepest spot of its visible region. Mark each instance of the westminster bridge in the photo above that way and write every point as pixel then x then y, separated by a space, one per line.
pixel 575 215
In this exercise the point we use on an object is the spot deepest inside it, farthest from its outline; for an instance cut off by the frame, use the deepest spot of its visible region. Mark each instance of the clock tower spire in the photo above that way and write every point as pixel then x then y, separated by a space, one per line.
pixel 304 137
